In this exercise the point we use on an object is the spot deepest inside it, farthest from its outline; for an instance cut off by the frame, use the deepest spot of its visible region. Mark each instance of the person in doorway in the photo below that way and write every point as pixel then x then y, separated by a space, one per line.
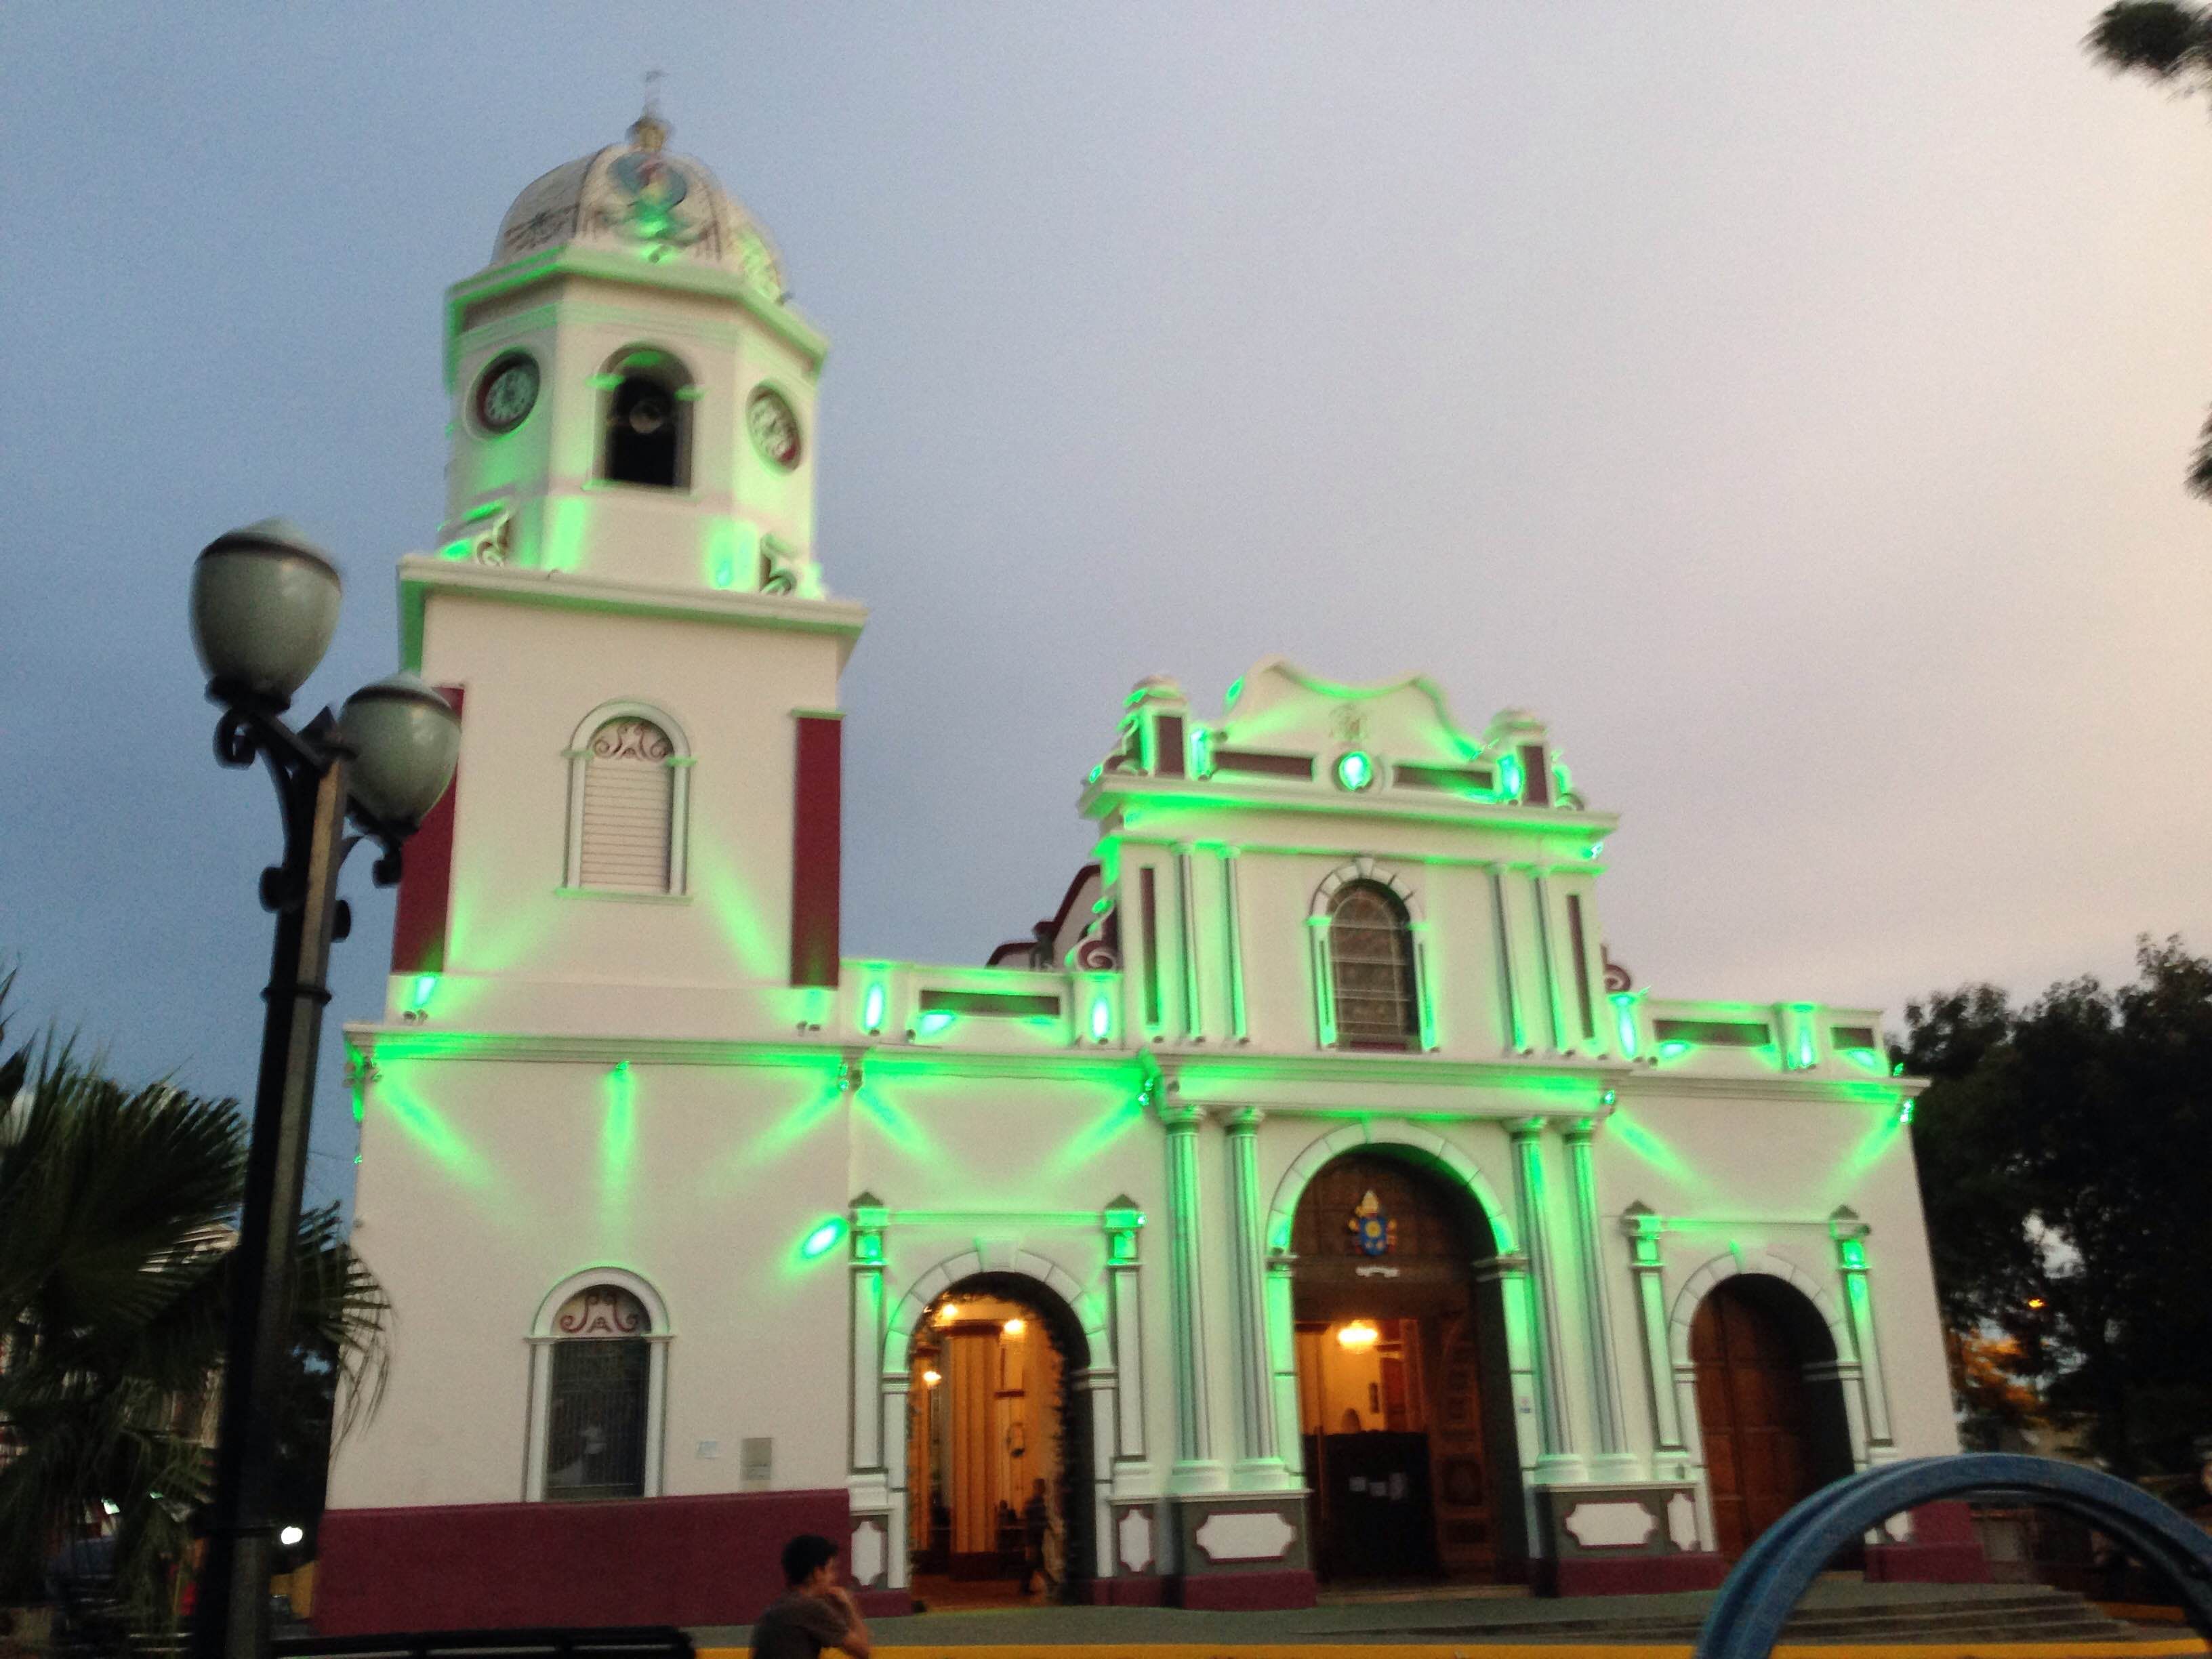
pixel 814 1612
pixel 1036 1525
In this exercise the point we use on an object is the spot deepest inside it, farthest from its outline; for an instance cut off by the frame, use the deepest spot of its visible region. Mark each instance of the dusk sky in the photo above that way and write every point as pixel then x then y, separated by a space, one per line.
pixel 1789 403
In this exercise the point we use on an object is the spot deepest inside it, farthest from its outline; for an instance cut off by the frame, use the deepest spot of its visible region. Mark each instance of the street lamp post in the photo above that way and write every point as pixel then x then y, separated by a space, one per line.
pixel 263 606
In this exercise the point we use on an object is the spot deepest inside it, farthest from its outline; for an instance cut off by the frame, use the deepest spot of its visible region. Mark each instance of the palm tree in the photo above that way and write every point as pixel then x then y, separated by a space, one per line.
pixel 2172 44
pixel 115 1263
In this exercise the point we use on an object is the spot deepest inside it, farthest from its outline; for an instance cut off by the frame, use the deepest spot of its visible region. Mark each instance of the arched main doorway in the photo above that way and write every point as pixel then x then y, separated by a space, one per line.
pixel 993 1411
pixel 1404 1404
pixel 1770 1407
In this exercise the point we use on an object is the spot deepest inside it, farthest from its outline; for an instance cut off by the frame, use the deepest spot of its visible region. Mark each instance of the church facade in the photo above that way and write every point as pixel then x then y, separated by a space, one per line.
pixel 1312 1197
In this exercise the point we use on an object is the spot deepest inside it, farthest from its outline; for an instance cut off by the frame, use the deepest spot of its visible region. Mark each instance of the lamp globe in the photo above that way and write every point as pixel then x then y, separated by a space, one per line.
pixel 405 739
pixel 264 605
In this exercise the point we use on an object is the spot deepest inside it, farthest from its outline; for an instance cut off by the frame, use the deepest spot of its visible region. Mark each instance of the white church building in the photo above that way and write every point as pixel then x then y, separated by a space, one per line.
pixel 1313 1199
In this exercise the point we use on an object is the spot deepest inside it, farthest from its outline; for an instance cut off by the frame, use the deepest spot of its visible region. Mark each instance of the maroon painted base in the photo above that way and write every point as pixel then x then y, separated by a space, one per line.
pixel 1944 1550
pixel 712 1560
pixel 1244 1592
pixel 1629 1575
pixel 884 1603
pixel 1149 1591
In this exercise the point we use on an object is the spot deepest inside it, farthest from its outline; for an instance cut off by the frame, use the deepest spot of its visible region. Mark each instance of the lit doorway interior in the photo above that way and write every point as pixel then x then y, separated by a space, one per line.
pixel 991 1366
pixel 1405 1411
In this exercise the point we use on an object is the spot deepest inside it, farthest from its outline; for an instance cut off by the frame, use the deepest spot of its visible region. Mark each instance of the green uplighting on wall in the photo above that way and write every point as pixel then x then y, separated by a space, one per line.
pixel 1672 1050
pixel 1624 1023
pixel 1354 770
pixel 871 1009
pixel 1511 778
pixel 1101 1019
pixel 1201 752
pixel 933 1024
pixel 419 995
pixel 1236 690
pixel 1867 1059
pixel 824 1239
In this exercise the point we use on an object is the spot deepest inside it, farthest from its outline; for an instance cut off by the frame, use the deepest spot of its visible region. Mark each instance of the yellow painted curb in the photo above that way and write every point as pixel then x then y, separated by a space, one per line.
pixel 1517 1649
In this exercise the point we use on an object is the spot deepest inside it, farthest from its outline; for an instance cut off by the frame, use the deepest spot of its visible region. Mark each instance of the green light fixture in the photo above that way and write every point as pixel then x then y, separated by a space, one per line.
pixel 1354 770
pixel 824 1239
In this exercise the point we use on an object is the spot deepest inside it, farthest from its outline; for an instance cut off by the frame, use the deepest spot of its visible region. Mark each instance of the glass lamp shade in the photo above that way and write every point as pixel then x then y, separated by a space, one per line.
pixel 405 739
pixel 264 606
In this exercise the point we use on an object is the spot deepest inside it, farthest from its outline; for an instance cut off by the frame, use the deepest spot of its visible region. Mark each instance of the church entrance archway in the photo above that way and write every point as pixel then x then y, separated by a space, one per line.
pixel 1770 1407
pixel 1405 1407
pixel 996 1425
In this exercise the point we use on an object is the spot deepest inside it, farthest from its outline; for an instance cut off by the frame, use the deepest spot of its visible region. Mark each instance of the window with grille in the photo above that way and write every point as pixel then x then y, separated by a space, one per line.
pixel 602 1368
pixel 629 808
pixel 1371 947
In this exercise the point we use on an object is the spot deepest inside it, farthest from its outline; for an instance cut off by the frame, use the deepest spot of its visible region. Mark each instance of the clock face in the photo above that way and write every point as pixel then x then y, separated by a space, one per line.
pixel 507 393
pixel 774 426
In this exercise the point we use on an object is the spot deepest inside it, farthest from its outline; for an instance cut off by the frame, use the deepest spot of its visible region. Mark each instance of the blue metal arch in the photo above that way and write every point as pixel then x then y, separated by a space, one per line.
pixel 1775 1573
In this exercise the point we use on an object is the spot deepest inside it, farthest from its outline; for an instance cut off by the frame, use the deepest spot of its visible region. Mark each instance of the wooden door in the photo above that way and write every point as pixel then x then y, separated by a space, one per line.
pixel 1754 1412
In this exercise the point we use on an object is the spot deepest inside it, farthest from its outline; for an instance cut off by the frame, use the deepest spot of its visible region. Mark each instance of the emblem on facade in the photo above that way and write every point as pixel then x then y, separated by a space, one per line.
pixel 1371 1227
pixel 1348 724
pixel 654 188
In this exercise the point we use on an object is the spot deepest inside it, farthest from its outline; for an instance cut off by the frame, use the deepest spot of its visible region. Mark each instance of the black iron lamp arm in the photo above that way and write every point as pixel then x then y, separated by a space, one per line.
pixel 252 727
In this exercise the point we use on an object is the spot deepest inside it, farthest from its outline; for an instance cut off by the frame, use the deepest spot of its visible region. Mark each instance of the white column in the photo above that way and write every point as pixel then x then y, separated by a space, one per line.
pixel 896 1387
pixel 866 1428
pixel 1612 1459
pixel 1851 1235
pixel 1558 1461
pixel 1283 1360
pixel 1126 1467
pixel 1259 1461
pixel 1670 1457
pixel 1196 1468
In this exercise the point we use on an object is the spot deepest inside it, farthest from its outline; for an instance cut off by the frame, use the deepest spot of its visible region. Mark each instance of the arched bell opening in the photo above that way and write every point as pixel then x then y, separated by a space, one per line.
pixel 1405 1398
pixel 1771 1407
pixel 994 1409
pixel 646 421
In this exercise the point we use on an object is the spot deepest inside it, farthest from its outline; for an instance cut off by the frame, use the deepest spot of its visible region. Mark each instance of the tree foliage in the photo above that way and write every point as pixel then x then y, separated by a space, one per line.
pixel 116 1268
pixel 2170 43
pixel 2063 1150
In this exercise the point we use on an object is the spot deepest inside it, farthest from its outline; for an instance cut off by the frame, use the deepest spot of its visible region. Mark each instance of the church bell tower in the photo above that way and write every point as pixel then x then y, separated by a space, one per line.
pixel 633 399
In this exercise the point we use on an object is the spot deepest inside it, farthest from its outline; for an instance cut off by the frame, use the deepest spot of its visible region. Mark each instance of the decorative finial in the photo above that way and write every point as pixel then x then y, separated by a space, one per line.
pixel 649 131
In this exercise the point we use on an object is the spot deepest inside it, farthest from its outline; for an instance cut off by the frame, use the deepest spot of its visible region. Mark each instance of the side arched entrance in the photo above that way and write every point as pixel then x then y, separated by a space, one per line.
pixel 1405 1404
pixel 999 1470
pixel 1770 1409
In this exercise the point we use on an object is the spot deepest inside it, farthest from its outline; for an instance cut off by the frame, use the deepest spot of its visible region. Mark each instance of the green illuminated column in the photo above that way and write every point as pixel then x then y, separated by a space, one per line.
pixel 1125 1314
pixel 1670 1458
pixel 1196 1467
pixel 869 1218
pixel 1548 954
pixel 1558 1460
pixel 1610 1425
pixel 1283 1361
pixel 1516 1031
pixel 1850 1235
pixel 1193 1007
pixel 1259 1464
pixel 1233 945
pixel 1511 1274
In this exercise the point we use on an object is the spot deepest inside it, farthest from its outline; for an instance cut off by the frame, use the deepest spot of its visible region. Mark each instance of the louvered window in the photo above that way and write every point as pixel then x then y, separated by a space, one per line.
pixel 1371 947
pixel 629 808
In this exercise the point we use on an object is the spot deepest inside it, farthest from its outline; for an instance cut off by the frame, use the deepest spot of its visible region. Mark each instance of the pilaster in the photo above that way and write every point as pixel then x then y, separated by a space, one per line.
pixel 1558 1459
pixel 1613 1460
pixel 1850 1234
pixel 1670 1457
pixel 1196 1467
pixel 1259 1465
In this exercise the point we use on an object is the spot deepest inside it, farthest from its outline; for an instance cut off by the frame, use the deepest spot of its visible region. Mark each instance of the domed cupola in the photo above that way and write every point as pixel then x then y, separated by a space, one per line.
pixel 639 199
pixel 633 396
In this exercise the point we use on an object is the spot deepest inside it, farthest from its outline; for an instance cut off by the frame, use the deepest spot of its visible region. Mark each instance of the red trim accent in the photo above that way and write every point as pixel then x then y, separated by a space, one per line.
pixel 711 1560
pixel 1629 1574
pixel 817 820
pixel 1944 1549
pixel 1147 1590
pixel 1244 1592
pixel 884 1603
pixel 426 882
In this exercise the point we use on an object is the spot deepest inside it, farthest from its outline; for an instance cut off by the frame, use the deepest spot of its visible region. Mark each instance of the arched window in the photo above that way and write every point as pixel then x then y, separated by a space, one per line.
pixel 598 1372
pixel 647 417
pixel 627 790
pixel 1370 948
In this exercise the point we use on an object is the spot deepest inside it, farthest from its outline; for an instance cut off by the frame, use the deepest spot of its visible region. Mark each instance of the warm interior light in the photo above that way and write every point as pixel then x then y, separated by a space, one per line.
pixel 2035 1301
pixel 930 1379
pixel 1015 1327
pixel 1359 1334
pixel 948 1313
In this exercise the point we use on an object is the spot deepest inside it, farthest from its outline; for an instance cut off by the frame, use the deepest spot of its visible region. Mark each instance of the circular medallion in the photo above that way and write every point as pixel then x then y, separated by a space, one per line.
pixel 507 393
pixel 774 426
